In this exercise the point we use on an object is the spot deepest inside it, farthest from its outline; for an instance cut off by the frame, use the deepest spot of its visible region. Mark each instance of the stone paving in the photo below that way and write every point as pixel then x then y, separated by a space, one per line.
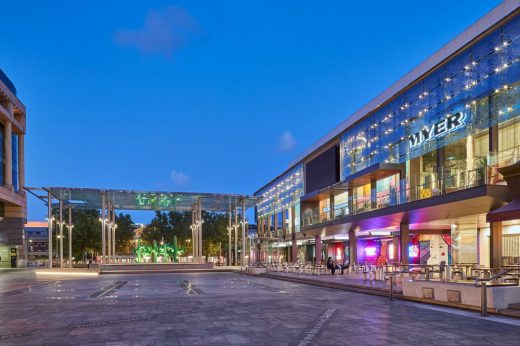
pixel 224 309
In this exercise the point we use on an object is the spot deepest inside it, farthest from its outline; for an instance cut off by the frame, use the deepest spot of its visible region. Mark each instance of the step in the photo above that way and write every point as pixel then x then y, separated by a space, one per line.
pixel 514 306
pixel 510 312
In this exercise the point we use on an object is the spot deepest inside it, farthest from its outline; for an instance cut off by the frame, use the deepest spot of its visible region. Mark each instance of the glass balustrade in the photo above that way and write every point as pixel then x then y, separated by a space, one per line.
pixel 435 185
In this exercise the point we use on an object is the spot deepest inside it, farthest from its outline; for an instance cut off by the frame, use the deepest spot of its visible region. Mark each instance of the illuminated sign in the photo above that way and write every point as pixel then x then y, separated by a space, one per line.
pixel 370 251
pixel 157 201
pixel 413 251
pixel 391 251
pixel 441 128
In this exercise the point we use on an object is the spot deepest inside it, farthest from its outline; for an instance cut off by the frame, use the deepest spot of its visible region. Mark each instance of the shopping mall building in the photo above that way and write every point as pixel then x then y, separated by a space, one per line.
pixel 414 176
pixel 13 205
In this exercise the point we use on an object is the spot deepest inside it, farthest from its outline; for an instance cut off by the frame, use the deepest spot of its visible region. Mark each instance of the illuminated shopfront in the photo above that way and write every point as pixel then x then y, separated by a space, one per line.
pixel 420 163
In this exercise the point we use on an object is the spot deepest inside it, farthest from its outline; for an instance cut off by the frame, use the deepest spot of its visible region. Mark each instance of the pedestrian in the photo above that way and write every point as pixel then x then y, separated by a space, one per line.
pixel 330 265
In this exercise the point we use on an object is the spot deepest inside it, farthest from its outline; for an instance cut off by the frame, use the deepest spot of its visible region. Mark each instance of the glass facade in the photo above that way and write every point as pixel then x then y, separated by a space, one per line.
pixel 450 130
pixel 282 193
pixel 462 97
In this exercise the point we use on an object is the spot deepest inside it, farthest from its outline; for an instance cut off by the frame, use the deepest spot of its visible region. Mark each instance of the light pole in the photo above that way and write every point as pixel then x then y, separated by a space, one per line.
pixel 219 252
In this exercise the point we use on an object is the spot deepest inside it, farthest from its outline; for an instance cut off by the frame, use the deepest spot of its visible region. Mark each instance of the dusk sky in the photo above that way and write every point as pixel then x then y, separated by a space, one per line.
pixel 208 96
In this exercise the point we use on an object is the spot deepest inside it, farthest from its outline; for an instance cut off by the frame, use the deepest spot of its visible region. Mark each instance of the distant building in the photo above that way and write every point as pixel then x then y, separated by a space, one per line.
pixel 13 202
pixel 37 243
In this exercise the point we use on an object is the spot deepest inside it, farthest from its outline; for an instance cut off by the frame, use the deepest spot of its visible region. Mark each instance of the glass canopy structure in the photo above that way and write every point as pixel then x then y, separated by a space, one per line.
pixel 110 200
pixel 87 198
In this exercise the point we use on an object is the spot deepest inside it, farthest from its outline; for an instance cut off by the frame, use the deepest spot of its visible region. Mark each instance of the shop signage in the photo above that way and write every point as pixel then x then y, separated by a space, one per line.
pixel 439 129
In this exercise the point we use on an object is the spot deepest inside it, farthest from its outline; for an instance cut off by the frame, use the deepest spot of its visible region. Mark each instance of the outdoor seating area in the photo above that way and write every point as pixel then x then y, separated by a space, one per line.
pixel 368 275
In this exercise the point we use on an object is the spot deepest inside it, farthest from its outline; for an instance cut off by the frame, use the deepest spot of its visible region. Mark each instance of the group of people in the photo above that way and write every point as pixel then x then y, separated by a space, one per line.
pixel 332 266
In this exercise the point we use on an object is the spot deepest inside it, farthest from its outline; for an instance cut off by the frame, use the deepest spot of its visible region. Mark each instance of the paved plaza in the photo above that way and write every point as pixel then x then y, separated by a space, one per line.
pixel 224 308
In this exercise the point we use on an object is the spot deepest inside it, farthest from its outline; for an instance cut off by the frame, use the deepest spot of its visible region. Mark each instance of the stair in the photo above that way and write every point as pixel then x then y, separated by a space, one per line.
pixel 513 310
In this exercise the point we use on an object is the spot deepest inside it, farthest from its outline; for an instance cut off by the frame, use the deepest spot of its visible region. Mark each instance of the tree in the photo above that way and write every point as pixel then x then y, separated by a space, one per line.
pixel 164 226
pixel 86 233
pixel 124 234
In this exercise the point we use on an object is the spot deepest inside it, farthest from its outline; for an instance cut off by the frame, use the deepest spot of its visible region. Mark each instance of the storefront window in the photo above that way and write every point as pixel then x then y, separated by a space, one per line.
pixel 341 204
pixel 362 200
pixel 464 243
pixel 511 243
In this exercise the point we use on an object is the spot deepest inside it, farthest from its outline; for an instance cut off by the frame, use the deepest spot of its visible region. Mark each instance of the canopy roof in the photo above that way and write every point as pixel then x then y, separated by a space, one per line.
pixel 88 198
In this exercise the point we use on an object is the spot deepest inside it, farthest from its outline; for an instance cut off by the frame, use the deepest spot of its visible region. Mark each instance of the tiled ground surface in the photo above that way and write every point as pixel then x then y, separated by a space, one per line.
pixel 221 309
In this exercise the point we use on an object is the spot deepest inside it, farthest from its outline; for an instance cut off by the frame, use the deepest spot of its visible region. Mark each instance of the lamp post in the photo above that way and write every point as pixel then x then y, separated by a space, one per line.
pixel 219 252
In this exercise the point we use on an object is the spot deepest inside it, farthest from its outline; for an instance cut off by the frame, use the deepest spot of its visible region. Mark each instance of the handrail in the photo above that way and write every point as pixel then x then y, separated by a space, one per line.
pixel 484 286
pixel 494 277
pixel 390 275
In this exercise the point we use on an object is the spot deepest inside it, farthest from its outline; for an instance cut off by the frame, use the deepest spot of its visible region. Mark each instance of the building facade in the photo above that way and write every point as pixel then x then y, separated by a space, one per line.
pixel 13 203
pixel 412 176
pixel 37 243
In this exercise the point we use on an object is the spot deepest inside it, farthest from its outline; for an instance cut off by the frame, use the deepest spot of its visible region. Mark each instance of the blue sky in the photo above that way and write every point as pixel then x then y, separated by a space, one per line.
pixel 213 96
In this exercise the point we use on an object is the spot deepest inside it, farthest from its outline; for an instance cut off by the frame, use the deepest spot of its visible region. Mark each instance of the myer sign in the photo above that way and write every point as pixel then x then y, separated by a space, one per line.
pixel 441 128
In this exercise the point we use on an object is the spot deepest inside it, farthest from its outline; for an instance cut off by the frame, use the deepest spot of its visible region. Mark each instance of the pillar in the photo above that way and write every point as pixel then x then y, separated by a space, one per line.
pixel 70 236
pixel 284 223
pixel 404 236
pixel 396 242
pixel 243 257
pixel 235 226
pixel 49 230
pixel 21 161
pixel 373 193
pixel 109 234
pixel 199 228
pixel 275 225
pixel 317 239
pixel 352 243
pixel 350 196
pixel 269 226
pixel 8 152
pixel 103 228
pixel 193 235
pixel 495 244
pixel 230 229
pixel 114 232
pixel 61 234
pixel 294 244
pixel 441 163
pixel 331 206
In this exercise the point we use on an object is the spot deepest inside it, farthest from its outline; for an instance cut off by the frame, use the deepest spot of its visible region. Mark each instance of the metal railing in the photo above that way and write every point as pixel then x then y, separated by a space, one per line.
pixel 391 276
pixel 483 283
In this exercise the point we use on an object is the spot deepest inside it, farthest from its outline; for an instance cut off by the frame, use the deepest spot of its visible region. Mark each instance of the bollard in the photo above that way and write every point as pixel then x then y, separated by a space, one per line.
pixel 483 300
pixel 427 273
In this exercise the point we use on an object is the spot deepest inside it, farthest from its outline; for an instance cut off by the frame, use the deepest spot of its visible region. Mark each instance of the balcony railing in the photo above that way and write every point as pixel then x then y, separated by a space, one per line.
pixel 448 181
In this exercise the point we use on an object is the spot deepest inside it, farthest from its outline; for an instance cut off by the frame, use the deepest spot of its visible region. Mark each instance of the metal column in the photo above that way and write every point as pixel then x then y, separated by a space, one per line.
pixel 199 229
pixel 70 236
pixel 109 234
pixel 61 234
pixel 49 219
pixel 230 228
pixel 193 244
pixel 236 235
pixel 114 225
pixel 103 222
pixel 243 257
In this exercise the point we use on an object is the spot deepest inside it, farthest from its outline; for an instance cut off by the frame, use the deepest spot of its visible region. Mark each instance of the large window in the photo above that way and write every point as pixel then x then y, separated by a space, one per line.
pixel 478 87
